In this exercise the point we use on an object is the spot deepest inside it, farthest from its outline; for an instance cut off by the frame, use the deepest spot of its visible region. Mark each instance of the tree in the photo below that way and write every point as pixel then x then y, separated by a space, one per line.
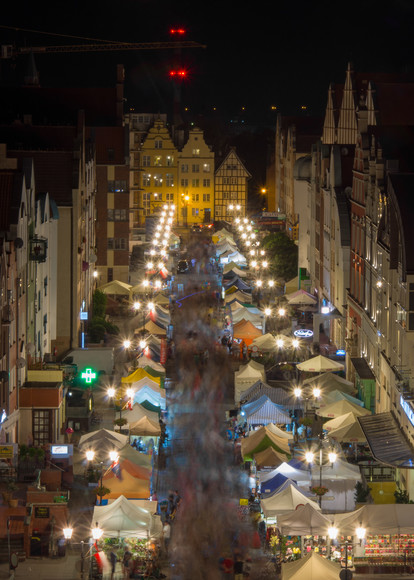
pixel 282 254
pixel 98 327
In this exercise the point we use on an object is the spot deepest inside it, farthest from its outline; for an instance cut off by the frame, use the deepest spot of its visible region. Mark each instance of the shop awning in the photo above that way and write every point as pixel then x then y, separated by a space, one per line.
pixel 362 368
pixel 386 440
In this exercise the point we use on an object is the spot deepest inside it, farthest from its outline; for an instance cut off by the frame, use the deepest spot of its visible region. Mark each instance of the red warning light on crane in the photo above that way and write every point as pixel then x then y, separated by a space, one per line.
pixel 181 73
pixel 177 31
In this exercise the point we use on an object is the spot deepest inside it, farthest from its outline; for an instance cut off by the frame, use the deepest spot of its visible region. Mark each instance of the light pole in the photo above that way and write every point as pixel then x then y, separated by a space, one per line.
pixel 310 457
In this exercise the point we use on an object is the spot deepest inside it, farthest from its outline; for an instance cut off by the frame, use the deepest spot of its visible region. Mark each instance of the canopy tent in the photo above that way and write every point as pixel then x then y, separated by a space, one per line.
pixel 123 518
pixel 102 440
pixel 336 395
pixel 223 233
pixel 340 421
pixel 152 328
pixel 378 519
pixel 301 297
pixel 232 269
pixel 349 434
pixel 236 305
pixel 233 256
pixel 319 364
pixel 137 412
pixel 312 567
pixel 128 452
pixel 262 439
pixel 265 343
pixel 128 466
pixel 268 458
pixel 116 288
pixel 144 362
pixel 240 296
pixel 304 521
pixel 147 394
pixel 285 501
pixel 161 298
pixel 262 411
pixel 276 483
pixel 258 320
pixel 145 427
pixel 129 486
pixel 237 283
pixel 139 375
pixel 156 374
pixel 225 246
pixel 277 395
pixel 288 482
pixel 340 470
pixel 297 475
pixel 243 379
pixel 341 408
pixel 329 382
pixel 246 331
pixel 291 286
pixel 279 432
pixel 160 316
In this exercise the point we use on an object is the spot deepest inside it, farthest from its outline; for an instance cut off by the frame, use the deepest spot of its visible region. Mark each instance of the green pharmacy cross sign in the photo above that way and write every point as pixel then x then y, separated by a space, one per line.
pixel 88 375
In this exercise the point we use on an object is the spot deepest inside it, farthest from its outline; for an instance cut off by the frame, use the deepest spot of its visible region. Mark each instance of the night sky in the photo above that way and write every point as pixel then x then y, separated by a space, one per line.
pixel 257 55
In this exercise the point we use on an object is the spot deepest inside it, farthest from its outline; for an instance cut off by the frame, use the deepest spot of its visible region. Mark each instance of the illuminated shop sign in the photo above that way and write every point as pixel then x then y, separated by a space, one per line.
pixel 406 407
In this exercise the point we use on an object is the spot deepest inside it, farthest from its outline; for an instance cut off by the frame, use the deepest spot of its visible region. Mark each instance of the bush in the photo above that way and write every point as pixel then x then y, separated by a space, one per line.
pixel 361 492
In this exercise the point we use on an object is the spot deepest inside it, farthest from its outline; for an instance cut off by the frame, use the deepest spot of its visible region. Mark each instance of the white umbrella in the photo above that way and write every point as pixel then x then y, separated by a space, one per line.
pixel 320 364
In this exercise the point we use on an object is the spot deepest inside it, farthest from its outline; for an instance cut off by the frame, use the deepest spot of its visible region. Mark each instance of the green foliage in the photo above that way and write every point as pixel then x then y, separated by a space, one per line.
pixel 401 496
pixel 101 490
pixel 98 326
pixel 99 301
pixel 282 253
pixel 361 492
pixel 120 422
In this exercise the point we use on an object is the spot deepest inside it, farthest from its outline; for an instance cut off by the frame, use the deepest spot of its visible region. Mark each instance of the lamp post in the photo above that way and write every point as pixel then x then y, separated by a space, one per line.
pixel 310 457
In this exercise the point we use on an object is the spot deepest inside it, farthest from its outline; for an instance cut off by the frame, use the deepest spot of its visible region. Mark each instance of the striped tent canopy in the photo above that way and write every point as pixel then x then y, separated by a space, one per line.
pixel 262 411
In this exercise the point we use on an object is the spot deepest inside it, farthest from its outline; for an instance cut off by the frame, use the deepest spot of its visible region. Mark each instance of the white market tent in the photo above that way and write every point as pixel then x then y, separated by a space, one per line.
pixel 244 378
pixel 378 519
pixel 279 432
pixel 102 439
pixel 340 421
pixel 305 520
pixel 319 364
pixel 263 411
pixel 285 501
pixel 236 305
pixel 261 439
pixel 349 434
pixel 301 297
pixel 298 475
pixel 328 381
pixel 240 296
pixel 265 343
pixel 312 567
pixel 233 268
pixel 144 361
pixel 137 412
pixel 146 393
pixel 257 320
pixel 340 470
pixel 123 518
pixel 341 408
pixel 144 427
pixel 337 395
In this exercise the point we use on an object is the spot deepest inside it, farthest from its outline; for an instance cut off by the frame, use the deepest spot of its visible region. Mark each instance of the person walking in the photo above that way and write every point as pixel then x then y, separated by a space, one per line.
pixel 238 568
pixel 166 532
pixel 126 564
pixel 113 560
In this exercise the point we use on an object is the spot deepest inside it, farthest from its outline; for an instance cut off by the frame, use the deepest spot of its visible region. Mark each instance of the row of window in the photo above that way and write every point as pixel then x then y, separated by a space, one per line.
pixel 206 197
pixel 118 186
pixel 168 161
pixel 117 215
pixel 158 181
pixel 117 243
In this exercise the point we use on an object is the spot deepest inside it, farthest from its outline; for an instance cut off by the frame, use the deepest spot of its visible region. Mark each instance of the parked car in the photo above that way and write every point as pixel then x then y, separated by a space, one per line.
pixel 182 267
pixel 196 228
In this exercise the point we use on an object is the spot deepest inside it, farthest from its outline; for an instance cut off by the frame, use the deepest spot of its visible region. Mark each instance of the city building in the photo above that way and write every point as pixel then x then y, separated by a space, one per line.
pixel 230 184
pixel 195 180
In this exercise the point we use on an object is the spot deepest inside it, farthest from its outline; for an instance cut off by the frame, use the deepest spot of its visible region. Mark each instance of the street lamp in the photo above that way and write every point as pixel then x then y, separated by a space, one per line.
pixel 96 532
pixel 310 457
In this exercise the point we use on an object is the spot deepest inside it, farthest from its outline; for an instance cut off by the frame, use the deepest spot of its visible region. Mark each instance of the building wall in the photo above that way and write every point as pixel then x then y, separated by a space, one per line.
pixel 195 180
pixel 230 181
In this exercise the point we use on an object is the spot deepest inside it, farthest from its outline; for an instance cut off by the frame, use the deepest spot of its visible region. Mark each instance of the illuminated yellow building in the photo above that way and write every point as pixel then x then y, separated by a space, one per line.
pixel 158 164
pixel 195 180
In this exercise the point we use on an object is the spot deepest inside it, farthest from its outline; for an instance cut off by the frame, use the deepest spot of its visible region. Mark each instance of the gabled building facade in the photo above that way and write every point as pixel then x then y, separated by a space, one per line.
pixel 230 180
pixel 196 180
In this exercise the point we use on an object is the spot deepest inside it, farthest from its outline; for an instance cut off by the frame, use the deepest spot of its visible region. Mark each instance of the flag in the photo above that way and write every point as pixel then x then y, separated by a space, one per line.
pixel 116 469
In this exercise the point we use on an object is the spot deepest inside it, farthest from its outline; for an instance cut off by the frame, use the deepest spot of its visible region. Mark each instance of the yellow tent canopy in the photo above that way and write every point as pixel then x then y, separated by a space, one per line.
pixel 116 287
pixel 129 486
pixel 139 374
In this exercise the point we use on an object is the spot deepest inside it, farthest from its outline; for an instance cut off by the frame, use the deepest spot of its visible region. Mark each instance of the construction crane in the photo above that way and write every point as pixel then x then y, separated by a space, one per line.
pixel 9 51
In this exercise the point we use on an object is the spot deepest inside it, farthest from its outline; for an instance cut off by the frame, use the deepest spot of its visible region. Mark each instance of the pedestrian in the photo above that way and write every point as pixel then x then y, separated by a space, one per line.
pixel 126 563
pixel 166 533
pixel 238 568
pixel 245 351
pixel 113 560
pixel 261 528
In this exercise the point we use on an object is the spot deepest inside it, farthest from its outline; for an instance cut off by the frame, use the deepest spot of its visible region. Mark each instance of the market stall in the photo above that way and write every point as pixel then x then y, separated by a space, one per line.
pixel 262 439
pixel 312 567
pixel 284 502
pixel 127 525
pixel 262 411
